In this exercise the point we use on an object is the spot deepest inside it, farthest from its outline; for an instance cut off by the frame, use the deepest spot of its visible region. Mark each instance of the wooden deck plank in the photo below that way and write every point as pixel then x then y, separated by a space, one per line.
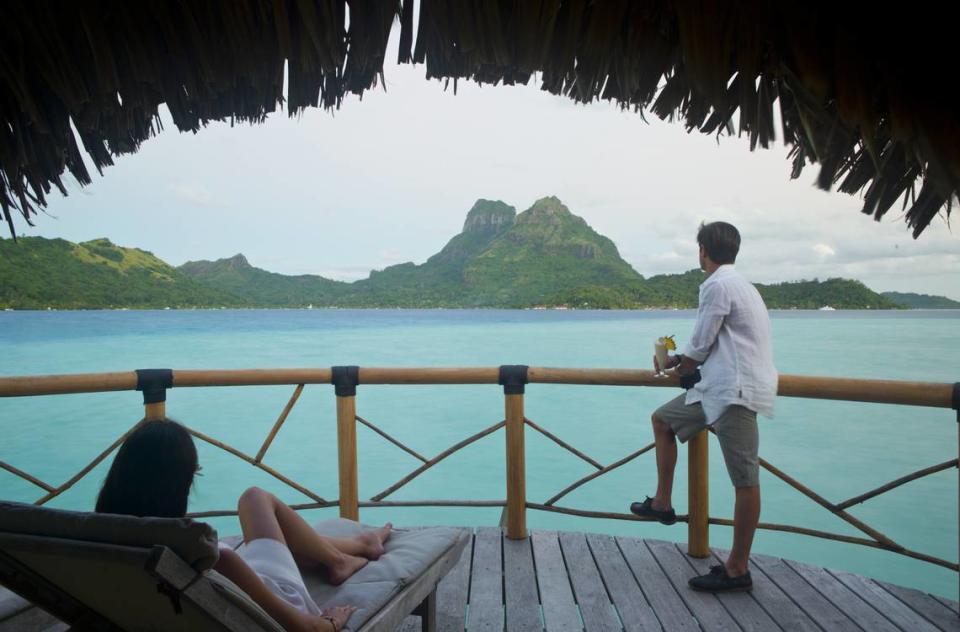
pixel 501 584
pixel 560 612
pixel 774 601
pixel 595 607
pixel 410 624
pixel 11 604
pixel 486 582
pixel 33 619
pixel 670 609
pixel 520 587
pixel 949 603
pixel 633 607
pixel 742 606
pixel 453 592
pixel 704 606
pixel 891 607
pixel 843 598
pixel 924 605
pixel 815 605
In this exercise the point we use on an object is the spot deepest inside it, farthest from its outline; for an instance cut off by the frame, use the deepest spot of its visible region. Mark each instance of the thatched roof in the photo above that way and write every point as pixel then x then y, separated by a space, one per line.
pixel 866 93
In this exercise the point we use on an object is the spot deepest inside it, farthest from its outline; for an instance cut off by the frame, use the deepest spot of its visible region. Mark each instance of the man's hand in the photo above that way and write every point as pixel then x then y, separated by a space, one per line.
pixel 683 364
pixel 686 366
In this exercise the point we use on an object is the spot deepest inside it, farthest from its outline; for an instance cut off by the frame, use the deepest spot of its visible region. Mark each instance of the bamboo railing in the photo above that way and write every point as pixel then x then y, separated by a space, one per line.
pixel 156 383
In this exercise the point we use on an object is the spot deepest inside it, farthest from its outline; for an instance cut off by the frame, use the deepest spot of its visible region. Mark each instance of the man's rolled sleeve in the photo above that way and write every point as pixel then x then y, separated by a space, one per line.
pixel 714 307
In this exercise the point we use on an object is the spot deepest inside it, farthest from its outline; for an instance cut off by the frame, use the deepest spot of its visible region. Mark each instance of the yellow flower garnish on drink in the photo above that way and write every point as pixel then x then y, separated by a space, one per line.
pixel 669 343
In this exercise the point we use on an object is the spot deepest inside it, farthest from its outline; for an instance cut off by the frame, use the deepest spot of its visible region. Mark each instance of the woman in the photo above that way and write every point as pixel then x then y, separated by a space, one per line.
pixel 152 475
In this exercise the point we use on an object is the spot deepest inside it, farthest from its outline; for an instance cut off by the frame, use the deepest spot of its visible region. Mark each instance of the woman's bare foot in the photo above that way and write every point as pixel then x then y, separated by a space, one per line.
pixel 336 616
pixel 345 568
pixel 373 541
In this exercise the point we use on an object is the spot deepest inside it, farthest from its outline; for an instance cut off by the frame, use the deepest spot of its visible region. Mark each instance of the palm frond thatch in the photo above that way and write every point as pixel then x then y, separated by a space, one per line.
pixel 866 92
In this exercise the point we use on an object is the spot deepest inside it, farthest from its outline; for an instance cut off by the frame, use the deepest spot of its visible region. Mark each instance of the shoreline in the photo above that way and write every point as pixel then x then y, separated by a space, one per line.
pixel 457 309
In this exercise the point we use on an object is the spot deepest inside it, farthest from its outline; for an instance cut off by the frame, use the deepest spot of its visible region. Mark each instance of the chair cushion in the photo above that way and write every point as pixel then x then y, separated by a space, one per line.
pixel 195 542
pixel 235 595
pixel 409 552
pixel 11 604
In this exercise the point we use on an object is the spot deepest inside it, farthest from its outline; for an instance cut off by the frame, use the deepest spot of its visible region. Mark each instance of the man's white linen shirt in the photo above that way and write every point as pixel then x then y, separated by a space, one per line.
pixel 732 342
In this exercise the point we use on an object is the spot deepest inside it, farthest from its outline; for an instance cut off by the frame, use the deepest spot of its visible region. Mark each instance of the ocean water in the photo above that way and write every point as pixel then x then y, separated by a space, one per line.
pixel 838 449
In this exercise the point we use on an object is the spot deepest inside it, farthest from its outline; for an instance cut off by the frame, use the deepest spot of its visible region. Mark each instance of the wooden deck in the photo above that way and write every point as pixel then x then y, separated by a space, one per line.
pixel 569 581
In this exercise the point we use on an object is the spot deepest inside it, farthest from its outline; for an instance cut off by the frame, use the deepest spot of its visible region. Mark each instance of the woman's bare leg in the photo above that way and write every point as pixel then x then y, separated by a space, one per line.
pixel 300 535
pixel 263 515
pixel 368 544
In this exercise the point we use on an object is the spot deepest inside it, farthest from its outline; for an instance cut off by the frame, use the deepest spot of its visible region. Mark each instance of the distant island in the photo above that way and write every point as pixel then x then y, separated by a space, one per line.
pixel 543 257
pixel 921 301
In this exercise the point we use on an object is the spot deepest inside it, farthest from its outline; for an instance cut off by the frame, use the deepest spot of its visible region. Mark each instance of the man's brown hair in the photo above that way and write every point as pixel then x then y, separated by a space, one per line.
pixel 720 241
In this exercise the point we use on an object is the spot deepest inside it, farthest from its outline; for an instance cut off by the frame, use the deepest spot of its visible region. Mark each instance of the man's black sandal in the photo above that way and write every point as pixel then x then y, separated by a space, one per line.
pixel 717 580
pixel 646 509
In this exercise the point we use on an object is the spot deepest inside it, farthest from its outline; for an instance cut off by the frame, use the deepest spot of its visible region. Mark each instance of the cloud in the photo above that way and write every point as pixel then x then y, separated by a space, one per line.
pixel 821 242
pixel 344 273
pixel 824 251
pixel 340 201
pixel 193 194
pixel 391 256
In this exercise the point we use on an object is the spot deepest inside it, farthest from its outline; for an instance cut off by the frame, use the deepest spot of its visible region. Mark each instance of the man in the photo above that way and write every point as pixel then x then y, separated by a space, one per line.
pixel 731 345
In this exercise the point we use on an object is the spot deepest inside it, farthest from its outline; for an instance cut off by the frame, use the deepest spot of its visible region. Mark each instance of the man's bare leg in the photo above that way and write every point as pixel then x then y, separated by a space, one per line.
pixel 746 515
pixel 666 446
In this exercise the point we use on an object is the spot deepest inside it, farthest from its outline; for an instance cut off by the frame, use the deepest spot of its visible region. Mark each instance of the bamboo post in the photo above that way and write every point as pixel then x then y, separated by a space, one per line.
pixel 345 380
pixel 154 384
pixel 516 469
pixel 513 379
pixel 955 402
pixel 156 410
pixel 698 495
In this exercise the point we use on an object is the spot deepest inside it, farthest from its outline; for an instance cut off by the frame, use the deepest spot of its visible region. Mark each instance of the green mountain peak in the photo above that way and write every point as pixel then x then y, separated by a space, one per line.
pixel 485 221
pixel 37 273
pixel 487 216
pixel 545 255
pixel 548 210
pixel 237 262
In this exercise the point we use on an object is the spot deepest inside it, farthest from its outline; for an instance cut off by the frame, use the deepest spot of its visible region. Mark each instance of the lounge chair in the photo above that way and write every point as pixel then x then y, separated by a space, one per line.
pixel 109 572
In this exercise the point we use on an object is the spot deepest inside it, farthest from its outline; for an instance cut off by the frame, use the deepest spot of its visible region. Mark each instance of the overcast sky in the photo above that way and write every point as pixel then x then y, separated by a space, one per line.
pixel 390 178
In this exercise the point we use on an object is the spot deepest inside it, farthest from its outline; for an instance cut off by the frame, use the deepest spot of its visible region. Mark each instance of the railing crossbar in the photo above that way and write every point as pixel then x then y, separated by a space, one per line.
pixel 218 513
pixel 563 444
pixel 392 440
pixel 280 421
pixel 823 502
pixel 589 513
pixel 92 464
pixel 939 395
pixel 726 522
pixel 426 466
pixel 263 466
pixel 26 476
pixel 593 475
pixel 933 469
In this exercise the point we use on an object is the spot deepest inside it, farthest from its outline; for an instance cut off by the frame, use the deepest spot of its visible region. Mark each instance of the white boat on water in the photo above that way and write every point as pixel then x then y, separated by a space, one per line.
pixel 827 308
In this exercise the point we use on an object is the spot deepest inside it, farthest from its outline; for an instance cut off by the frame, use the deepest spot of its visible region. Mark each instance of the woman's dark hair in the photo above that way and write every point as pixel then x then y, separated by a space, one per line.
pixel 720 240
pixel 152 472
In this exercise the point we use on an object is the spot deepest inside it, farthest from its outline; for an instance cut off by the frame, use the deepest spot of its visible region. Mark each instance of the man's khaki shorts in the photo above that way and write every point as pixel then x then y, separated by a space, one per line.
pixel 736 429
